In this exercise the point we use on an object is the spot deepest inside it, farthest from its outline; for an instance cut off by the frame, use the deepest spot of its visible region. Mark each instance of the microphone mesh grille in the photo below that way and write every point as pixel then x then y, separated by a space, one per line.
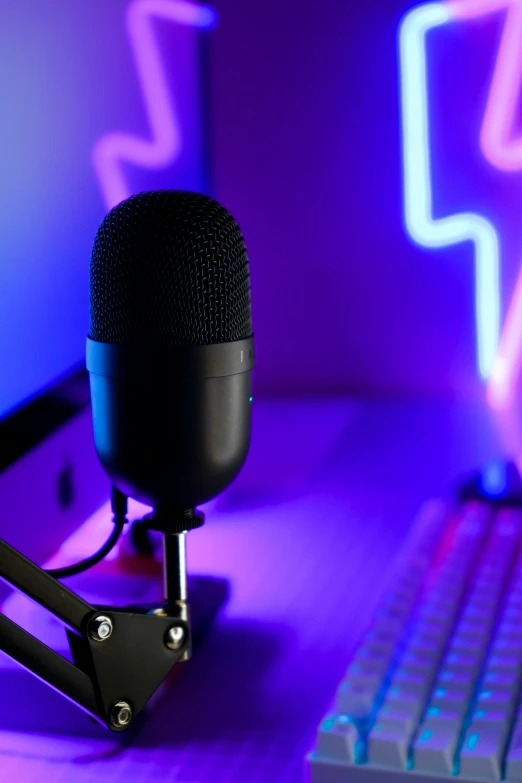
pixel 169 267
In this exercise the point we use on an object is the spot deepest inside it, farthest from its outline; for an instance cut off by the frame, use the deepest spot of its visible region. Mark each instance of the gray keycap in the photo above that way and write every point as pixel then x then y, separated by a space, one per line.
pixel 500 679
pixel 432 612
pixel 511 629
pixel 415 663
pixel 354 700
pixel 504 645
pixel 486 718
pixel 401 701
pixel 395 720
pixel 431 631
pixel 388 748
pixel 476 633
pixel 434 749
pixel 429 643
pixel 495 699
pixel 365 675
pixel 481 597
pixel 481 752
pixel 479 613
pixel 439 716
pixel 369 657
pixel 449 698
pixel 465 645
pixel 411 683
pixel 463 680
pixel 451 580
pixel 505 662
pixel 440 594
pixel 337 738
pixel 514 755
pixel 356 677
pixel 380 643
pixel 462 662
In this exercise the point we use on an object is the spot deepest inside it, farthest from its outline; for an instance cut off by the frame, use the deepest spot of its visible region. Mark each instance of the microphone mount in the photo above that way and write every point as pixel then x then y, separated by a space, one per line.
pixel 120 655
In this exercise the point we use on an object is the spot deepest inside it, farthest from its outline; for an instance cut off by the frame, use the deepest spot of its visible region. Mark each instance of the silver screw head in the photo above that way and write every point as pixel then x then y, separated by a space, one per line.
pixel 175 637
pixel 120 714
pixel 100 628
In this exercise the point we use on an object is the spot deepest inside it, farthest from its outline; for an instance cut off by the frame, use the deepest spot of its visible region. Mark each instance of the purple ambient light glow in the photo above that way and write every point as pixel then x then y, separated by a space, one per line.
pixel 116 148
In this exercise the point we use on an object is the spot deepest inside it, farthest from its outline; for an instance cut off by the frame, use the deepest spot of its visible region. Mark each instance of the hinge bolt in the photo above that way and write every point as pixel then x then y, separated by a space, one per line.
pixel 100 628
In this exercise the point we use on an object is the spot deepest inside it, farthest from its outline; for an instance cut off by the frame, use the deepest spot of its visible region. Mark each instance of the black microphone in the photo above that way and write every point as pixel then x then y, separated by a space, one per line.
pixel 170 354
pixel 170 349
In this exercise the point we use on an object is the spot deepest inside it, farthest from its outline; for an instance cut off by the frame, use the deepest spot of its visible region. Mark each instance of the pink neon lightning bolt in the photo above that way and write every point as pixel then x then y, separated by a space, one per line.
pixel 165 143
pixel 505 153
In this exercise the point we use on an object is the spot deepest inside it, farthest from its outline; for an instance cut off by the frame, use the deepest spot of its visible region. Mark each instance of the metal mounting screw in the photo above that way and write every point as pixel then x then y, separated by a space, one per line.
pixel 100 628
pixel 175 637
pixel 120 714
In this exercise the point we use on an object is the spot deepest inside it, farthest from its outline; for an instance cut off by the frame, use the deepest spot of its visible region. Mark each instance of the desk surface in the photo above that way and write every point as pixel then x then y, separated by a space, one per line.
pixel 305 537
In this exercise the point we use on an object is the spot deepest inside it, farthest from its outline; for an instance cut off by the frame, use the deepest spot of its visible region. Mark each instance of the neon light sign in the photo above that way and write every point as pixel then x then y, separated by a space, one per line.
pixel 162 149
pixel 499 357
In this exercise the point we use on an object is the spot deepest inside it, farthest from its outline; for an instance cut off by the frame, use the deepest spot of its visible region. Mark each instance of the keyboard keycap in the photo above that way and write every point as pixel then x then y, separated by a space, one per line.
pixel 411 683
pixel 496 699
pixel 477 611
pixel 401 701
pixel 449 698
pixel 465 645
pixel 337 738
pixel 485 718
pixel 380 644
pixel 437 716
pixel 434 749
pixel 493 677
pixel 514 755
pixel 415 663
pixel 388 748
pixel 505 662
pixel 365 676
pixel 430 631
pixel 460 662
pixel 427 644
pixel 393 720
pixel 368 657
pixel 355 700
pixel 457 679
pixel 511 629
pixel 476 633
pixel 505 646
pixel 481 753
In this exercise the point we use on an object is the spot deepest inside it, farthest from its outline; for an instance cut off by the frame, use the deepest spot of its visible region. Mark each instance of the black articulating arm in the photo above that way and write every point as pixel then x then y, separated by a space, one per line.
pixel 121 656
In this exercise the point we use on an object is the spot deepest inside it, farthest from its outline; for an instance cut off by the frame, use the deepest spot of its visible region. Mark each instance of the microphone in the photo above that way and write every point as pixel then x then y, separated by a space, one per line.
pixel 170 356
pixel 170 348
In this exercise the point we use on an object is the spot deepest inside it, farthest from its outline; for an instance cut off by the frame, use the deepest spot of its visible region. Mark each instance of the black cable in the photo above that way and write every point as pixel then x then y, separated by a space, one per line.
pixel 89 562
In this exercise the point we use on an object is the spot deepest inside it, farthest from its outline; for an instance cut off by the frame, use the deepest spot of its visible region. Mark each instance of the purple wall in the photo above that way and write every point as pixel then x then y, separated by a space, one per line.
pixel 306 139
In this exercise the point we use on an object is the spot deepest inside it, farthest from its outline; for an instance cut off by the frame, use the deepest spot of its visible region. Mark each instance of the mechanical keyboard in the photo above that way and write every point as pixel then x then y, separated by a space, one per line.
pixel 433 689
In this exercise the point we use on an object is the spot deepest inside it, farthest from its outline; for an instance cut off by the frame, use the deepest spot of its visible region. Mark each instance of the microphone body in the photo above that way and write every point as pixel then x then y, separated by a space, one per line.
pixel 171 425
pixel 170 348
